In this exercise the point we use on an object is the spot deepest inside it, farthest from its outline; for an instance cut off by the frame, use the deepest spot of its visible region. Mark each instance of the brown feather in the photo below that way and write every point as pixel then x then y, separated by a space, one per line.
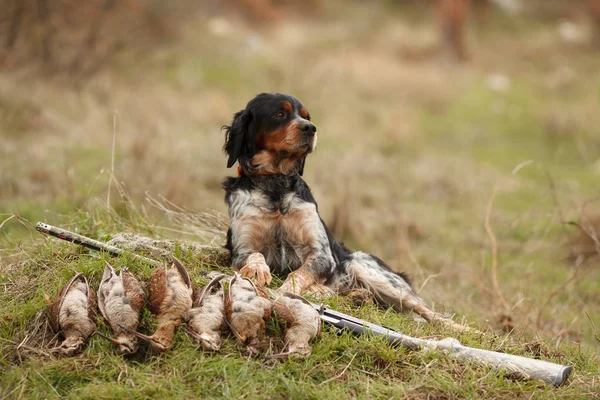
pixel 228 303
pixel 157 289
pixel 133 290
pixel 92 303
pixel 284 314
pixel 170 296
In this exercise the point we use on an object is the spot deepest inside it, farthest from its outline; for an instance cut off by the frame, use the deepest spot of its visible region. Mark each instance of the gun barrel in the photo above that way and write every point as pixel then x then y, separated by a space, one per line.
pixel 88 242
pixel 523 367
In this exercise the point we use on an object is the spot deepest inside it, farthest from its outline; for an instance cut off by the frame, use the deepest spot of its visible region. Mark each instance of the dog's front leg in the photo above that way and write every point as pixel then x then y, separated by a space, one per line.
pixel 299 281
pixel 245 238
pixel 309 278
pixel 256 269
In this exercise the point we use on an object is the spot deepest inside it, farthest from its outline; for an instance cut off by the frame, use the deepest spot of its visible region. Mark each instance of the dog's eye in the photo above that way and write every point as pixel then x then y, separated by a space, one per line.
pixel 280 115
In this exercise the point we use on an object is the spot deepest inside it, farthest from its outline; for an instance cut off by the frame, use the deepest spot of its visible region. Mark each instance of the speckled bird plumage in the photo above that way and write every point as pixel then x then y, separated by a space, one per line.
pixel 120 300
pixel 170 299
pixel 301 320
pixel 73 315
pixel 207 317
pixel 247 309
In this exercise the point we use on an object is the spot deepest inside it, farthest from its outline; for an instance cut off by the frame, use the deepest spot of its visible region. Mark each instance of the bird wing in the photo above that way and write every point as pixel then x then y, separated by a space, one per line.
pixel 109 272
pixel 133 290
pixel 92 303
pixel 58 302
pixel 157 289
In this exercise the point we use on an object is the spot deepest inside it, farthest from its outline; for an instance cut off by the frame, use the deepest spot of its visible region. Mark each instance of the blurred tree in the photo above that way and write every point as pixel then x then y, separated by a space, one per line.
pixel 273 10
pixel 593 7
pixel 453 16
pixel 77 38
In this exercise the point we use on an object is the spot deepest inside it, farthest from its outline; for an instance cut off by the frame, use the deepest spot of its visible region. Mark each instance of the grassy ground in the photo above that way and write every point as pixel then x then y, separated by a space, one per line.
pixel 416 158
pixel 341 366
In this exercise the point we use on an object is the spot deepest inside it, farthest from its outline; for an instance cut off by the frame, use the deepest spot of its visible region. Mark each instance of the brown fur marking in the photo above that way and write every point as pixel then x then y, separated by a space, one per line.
pixel 298 223
pixel 287 106
pixel 278 149
pixel 285 138
pixel 267 162
pixel 303 112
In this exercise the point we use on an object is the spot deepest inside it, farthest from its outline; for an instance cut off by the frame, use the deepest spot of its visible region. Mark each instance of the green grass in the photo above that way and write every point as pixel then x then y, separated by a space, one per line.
pixel 341 366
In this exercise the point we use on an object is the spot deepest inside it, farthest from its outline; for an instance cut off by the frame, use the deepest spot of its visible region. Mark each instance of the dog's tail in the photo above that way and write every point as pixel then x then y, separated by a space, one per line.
pixel 390 288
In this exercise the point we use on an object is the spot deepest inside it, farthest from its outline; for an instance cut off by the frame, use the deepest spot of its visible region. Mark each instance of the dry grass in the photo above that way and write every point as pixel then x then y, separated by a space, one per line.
pixel 409 155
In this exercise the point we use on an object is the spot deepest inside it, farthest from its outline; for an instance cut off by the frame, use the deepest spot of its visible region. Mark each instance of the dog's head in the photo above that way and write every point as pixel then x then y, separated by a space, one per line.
pixel 272 135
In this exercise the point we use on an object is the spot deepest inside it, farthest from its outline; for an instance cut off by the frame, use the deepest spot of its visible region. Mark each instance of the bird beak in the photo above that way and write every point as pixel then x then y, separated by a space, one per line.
pixel 193 334
pixel 237 335
pixel 107 338
pixel 197 337
pixel 140 335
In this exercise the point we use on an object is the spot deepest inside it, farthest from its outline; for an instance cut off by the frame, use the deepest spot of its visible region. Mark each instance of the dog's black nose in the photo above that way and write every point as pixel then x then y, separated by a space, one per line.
pixel 308 129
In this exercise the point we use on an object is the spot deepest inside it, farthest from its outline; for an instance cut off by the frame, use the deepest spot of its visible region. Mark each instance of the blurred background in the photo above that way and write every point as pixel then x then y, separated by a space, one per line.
pixel 456 137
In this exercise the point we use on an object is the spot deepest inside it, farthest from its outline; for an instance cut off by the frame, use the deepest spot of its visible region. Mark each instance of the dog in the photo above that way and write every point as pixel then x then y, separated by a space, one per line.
pixel 275 225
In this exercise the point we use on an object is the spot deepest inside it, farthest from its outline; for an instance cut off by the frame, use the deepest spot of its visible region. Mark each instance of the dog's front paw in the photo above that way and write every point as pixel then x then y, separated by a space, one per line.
pixel 319 291
pixel 297 282
pixel 257 270
pixel 289 286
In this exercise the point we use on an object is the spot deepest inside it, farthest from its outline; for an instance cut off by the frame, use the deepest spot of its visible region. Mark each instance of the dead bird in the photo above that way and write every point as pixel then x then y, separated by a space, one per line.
pixel 170 297
pixel 207 318
pixel 73 315
pixel 247 308
pixel 302 322
pixel 120 300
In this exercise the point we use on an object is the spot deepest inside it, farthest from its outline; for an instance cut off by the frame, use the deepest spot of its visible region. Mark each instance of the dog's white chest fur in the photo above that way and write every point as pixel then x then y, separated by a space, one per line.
pixel 285 232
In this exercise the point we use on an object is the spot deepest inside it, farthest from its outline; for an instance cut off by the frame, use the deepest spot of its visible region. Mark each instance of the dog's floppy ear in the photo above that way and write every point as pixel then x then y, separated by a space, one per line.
pixel 237 135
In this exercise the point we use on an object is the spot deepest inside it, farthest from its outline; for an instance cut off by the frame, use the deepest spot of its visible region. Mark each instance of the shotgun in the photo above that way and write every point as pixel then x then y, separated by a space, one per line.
pixel 90 243
pixel 522 367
